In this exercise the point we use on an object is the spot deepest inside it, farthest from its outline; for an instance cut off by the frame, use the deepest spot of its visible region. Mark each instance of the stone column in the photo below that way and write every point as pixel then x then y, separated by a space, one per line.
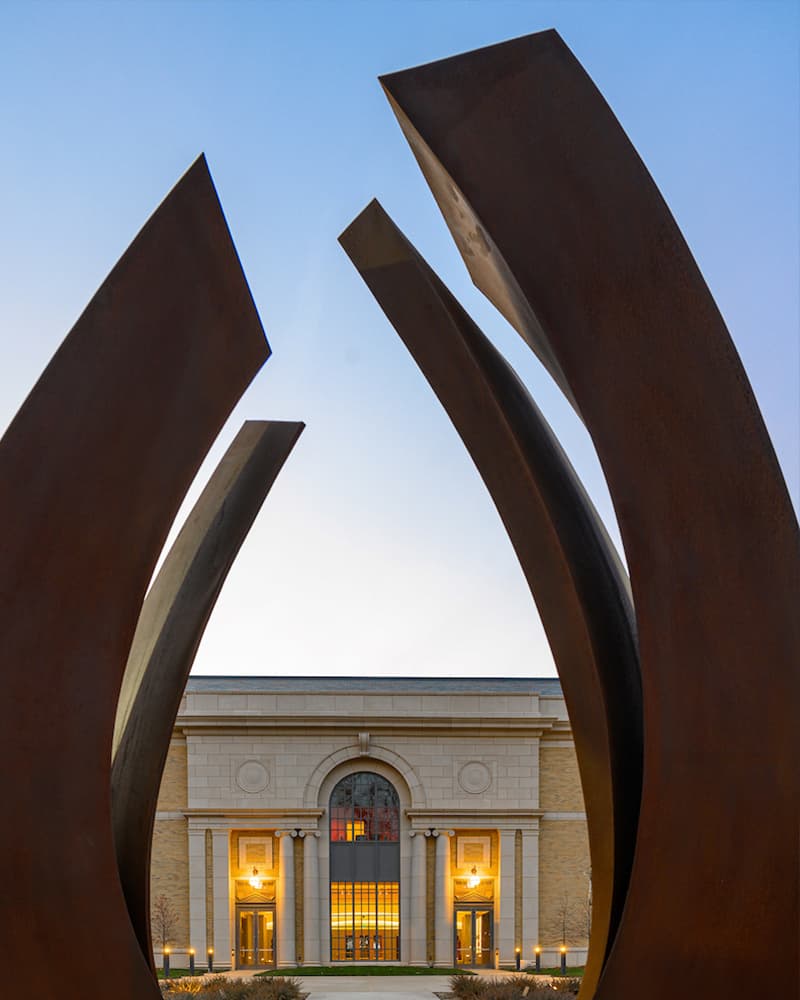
pixel 444 900
pixel 285 900
pixel 311 897
pixel 222 898
pixel 505 923
pixel 197 894
pixel 416 951
pixel 530 892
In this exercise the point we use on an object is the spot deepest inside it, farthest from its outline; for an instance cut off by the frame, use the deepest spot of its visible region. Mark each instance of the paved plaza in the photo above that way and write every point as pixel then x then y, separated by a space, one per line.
pixel 375 987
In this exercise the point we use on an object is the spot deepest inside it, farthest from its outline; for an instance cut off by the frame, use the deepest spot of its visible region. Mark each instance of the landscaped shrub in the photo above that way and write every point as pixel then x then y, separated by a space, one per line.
pixel 467 987
pixel 220 988
pixel 275 988
pixel 566 984
pixel 502 989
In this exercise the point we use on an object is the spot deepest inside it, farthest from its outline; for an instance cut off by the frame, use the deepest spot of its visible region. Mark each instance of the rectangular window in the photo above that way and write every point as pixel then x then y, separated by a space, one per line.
pixel 365 921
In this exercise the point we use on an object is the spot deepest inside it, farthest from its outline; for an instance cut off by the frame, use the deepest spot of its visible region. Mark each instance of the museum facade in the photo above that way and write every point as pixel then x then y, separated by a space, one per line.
pixel 318 820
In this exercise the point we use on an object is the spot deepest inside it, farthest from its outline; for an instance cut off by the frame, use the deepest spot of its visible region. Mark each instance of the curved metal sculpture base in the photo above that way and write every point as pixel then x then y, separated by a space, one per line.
pixel 171 625
pixel 94 468
pixel 571 566
pixel 564 230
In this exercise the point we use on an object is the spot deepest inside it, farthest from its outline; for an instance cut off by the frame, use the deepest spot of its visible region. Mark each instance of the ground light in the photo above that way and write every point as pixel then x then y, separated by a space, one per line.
pixel 563 960
pixel 537 951
pixel 210 959
pixel 165 962
pixel 519 957
pixel 191 961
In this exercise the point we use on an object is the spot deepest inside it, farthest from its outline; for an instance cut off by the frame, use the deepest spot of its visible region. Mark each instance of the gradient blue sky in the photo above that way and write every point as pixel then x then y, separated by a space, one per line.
pixel 378 550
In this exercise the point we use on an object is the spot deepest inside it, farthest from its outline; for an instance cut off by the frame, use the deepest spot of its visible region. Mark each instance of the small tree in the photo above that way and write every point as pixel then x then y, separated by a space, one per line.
pixel 165 921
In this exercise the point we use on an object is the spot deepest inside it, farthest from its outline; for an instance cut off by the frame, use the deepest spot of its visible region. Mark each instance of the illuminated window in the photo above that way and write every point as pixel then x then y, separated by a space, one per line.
pixel 364 806
pixel 365 921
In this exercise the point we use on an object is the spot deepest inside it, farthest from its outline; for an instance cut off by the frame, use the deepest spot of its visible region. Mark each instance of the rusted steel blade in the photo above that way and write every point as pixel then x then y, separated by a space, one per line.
pixel 93 469
pixel 171 625
pixel 573 571
pixel 564 230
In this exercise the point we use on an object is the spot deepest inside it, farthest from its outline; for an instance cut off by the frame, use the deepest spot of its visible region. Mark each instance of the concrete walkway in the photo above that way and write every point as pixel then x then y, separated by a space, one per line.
pixel 374 987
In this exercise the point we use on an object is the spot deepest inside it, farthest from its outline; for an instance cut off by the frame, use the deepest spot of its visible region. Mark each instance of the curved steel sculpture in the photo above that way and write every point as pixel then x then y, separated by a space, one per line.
pixel 561 226
pixel 571 566
pixel 93 470
pixel 171 625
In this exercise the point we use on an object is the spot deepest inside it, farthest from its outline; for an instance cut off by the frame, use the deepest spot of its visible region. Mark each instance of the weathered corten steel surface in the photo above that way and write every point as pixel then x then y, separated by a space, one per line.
pixel 571 566
pixel 564 230
pixel 93 470
pixel 171 625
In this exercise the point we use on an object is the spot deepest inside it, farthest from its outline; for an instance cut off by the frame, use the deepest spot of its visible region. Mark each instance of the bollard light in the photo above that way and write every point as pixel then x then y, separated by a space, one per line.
pixel 519 957
pixel 165 963
pixel 537 951
pixel 210 959
pixel 563 960
pixel 191 961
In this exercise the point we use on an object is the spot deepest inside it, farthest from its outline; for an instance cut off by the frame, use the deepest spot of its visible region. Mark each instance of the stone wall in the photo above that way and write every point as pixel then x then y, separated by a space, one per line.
pixel 169 874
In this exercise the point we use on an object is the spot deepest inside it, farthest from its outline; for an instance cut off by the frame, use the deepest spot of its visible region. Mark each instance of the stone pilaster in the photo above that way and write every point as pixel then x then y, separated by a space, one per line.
pixel 530 892
pixel 505 919
pixel 197 893
pixel 285 900
pixel 222 899
pixel 311 896
pixel 444 900
pixel 416 950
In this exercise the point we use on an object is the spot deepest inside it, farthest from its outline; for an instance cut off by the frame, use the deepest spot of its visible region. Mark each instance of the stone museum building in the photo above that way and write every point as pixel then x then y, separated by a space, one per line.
pixel 316 820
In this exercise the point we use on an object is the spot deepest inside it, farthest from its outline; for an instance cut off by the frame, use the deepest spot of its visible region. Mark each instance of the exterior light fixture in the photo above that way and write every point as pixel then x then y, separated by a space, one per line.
pixel 165 961
pixel 191 961
pixel 537 951
pixel 474 879
pixel 563 960
pixel 518 952
pixel 254 880
pixel 210 959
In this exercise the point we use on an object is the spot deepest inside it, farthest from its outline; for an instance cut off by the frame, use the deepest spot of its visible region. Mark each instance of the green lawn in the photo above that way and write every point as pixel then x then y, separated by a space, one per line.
pixel 362 970
pixel 179 973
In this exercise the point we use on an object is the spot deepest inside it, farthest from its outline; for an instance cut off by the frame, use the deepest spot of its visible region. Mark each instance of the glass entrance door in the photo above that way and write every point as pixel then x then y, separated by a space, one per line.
pixel 474 928
pixel 255 938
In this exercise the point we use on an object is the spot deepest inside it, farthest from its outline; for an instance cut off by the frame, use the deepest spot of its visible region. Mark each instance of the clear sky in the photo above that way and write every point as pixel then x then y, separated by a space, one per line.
pixel 378 550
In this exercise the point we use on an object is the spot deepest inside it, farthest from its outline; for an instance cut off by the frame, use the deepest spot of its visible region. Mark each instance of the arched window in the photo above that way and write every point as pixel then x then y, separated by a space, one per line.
pixel 364 807
pixel 365 869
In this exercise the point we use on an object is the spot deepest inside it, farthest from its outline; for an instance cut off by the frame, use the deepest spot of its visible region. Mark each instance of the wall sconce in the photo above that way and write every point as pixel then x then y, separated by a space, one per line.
pixel 474 879
pixel 254 880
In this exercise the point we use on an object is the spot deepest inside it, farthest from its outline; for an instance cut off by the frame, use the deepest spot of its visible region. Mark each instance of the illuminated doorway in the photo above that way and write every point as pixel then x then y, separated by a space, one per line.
pixel 474 927
pixel 255 938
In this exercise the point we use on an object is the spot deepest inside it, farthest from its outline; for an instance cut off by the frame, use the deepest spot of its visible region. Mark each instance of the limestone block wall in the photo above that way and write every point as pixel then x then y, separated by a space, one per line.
pixel 564 862
pixel 169 873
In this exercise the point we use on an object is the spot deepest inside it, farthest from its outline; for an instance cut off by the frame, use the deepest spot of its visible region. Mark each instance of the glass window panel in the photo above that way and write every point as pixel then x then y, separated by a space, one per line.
pixel 365 921
pixel 364 806
pixel 247 954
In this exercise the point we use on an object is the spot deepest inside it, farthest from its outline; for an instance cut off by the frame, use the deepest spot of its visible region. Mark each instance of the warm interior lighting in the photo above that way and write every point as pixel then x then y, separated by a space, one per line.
pixel 356 829
pixel 254 880
pixel 474 879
